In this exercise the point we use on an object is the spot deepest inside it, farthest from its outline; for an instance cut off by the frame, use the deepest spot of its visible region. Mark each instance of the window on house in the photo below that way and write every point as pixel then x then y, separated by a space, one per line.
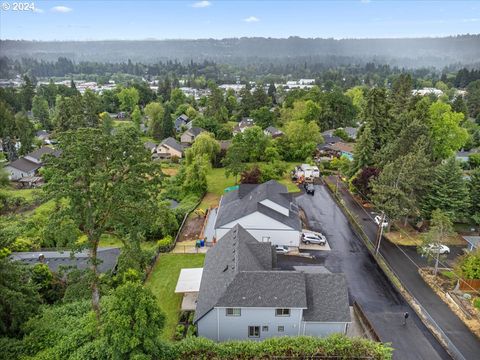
pixel 281 329
pixel 282 312
pixel 254 331
pixel 233 312
pixel 264 328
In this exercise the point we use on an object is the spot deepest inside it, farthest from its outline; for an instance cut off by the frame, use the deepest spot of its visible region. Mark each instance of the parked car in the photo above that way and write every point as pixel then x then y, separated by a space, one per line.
pixel 311 238
pixel 437 249
pixel 309 188
pixel 281 249
pixel 378 219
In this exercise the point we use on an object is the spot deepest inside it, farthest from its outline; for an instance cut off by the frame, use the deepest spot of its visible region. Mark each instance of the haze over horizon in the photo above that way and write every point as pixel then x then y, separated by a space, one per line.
pixel 168 20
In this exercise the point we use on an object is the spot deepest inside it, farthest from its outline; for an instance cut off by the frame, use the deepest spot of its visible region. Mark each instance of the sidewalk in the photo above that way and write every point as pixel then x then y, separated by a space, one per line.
pixel 407 271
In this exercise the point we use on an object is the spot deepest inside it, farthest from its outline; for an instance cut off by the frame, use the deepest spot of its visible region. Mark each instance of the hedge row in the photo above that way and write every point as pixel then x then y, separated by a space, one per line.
pixel 337 346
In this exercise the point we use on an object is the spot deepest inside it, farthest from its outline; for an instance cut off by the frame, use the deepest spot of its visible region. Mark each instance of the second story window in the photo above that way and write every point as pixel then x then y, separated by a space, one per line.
pixel 282 312
pixel 233 312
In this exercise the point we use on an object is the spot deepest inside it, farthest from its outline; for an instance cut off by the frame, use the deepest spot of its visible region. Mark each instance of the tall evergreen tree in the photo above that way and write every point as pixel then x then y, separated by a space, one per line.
pixel 448 191
pixel 364 148
pixel 167 124
pixel 377 115
pixel 475 195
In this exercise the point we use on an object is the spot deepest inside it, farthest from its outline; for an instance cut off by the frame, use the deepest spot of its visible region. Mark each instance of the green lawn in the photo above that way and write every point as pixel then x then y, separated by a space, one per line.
pixel 218 182
pixel 162 283
pixel 27 194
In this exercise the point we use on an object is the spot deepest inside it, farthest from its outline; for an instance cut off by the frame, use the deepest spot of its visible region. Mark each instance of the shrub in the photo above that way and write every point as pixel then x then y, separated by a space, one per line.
pixel 179 332
pixel 165 244
pixel 23 244
pixel 192 330
pixel 476 303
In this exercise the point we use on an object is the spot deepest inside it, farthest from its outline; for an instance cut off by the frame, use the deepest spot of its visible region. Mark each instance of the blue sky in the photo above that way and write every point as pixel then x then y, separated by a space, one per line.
pixel 98 20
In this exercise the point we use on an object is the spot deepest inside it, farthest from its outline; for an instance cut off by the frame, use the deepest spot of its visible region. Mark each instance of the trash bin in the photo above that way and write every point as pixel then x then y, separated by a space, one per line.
pixel 197 244
pixel 202 243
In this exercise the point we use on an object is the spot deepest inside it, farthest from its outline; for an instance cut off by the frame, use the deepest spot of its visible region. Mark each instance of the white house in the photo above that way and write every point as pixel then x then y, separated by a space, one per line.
pixel 243 296
pixel 28 165
pixel 267 211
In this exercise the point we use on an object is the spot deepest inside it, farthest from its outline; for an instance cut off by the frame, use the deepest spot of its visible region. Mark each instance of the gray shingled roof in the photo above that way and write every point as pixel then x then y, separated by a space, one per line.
pixel 181 121
pixel 238 272
pixel 246 200
pixel 273 130
pixel 237 251
pixel 37 154
pixel 170 141
pixel 25 165
pixel 266 289
pixel 327 298
pixel 55 259
pixel 195 131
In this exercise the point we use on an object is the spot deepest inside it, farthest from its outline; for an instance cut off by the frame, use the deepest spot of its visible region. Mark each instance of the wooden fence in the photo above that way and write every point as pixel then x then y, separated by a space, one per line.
pixel 469 285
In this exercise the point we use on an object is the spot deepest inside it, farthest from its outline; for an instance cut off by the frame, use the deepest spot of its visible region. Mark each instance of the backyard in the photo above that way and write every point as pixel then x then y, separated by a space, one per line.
pixel 162 282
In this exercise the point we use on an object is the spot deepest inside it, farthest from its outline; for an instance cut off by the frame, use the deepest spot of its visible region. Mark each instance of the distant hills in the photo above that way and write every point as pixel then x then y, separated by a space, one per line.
pixel 438 52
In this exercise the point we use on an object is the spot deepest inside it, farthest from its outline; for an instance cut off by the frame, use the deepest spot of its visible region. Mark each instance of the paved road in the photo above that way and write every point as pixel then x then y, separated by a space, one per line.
pixel 367 284
pixel 405 263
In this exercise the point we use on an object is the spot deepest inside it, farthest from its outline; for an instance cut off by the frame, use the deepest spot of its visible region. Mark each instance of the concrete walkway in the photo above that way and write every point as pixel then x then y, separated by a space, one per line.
pixel 405 266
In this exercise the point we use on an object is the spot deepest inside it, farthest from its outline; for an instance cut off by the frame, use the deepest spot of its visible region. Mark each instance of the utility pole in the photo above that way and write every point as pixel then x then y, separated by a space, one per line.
pixel 336 185
pixel 379 234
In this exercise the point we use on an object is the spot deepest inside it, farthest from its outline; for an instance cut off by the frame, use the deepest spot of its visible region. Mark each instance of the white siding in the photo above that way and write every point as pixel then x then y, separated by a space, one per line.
pixel 274 206
pixel 236 327
pixel 16 174
pixel 264 228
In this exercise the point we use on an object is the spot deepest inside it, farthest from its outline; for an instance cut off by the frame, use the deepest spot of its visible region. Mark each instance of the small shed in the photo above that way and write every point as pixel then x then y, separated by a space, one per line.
pixel 188 284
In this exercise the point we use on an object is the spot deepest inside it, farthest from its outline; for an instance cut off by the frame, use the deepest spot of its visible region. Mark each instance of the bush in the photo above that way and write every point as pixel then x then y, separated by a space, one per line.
pixel 476 303
pixel 292 347
pixel 192 330
pixel 179 332
pixel 165 244
pixel 23 244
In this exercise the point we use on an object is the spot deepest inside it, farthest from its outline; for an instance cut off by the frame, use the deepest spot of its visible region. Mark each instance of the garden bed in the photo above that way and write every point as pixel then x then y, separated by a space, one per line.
pixel 443 285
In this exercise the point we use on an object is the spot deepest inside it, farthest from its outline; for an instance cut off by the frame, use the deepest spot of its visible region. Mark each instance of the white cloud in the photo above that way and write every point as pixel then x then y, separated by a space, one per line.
pixel 471 20
pixel 251 19
pixel 61 9
pixel 201 4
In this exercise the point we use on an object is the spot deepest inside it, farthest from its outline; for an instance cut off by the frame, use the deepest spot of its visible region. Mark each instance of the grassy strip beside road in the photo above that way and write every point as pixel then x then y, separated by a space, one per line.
pixel 162 282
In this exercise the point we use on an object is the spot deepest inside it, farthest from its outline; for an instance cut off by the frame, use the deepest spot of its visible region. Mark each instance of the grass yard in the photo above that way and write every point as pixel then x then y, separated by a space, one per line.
pixel 27 194
pixel 162 282
pixel 408 236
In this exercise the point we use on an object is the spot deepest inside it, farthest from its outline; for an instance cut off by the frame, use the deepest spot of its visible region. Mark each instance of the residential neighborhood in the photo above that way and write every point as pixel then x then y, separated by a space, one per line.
pixel 282 180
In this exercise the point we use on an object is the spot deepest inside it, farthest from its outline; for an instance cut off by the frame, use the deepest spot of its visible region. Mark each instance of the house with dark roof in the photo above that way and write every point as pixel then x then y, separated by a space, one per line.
pixel 181 122
pixel 189 136
pixel 243 296
pixel 273 132
pixel 28 165
pixel 267 211
pixel 169 148
pixel 55 260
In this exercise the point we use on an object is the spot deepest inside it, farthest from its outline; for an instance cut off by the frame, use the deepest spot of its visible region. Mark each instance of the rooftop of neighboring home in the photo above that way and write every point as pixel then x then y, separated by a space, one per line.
pixel 149 145
pixel 55 259
pixel 273 131
pixel 180 121
pixel 33 161
pixel 243 124
pixel 174 144
pixel 342 147
pixel 24 165
pixel 239 271
pixel 39 153
pixel 194 131
pixel 329 139
pixel 250 198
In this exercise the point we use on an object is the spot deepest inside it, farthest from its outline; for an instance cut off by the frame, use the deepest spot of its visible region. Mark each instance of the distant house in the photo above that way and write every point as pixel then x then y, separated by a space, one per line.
pixel 273 132
pixel 242 295
pixel 189 136
pixel 42 135
pixel 243 125
pixel 427 91
pixel 28 165
pixel 56 259
pixel 463 156
pixel 351 132
pixel 150 146
pixel 181 122
pixel 267 211
pixel 169 148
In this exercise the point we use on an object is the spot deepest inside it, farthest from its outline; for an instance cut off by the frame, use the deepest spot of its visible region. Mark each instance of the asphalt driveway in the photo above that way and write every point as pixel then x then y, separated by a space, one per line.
pixel 367 284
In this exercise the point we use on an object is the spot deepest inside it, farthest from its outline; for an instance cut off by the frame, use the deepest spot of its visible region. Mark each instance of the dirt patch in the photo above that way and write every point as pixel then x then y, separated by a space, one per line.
pixel 170 171
pixel 441 286
pixel 192 228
